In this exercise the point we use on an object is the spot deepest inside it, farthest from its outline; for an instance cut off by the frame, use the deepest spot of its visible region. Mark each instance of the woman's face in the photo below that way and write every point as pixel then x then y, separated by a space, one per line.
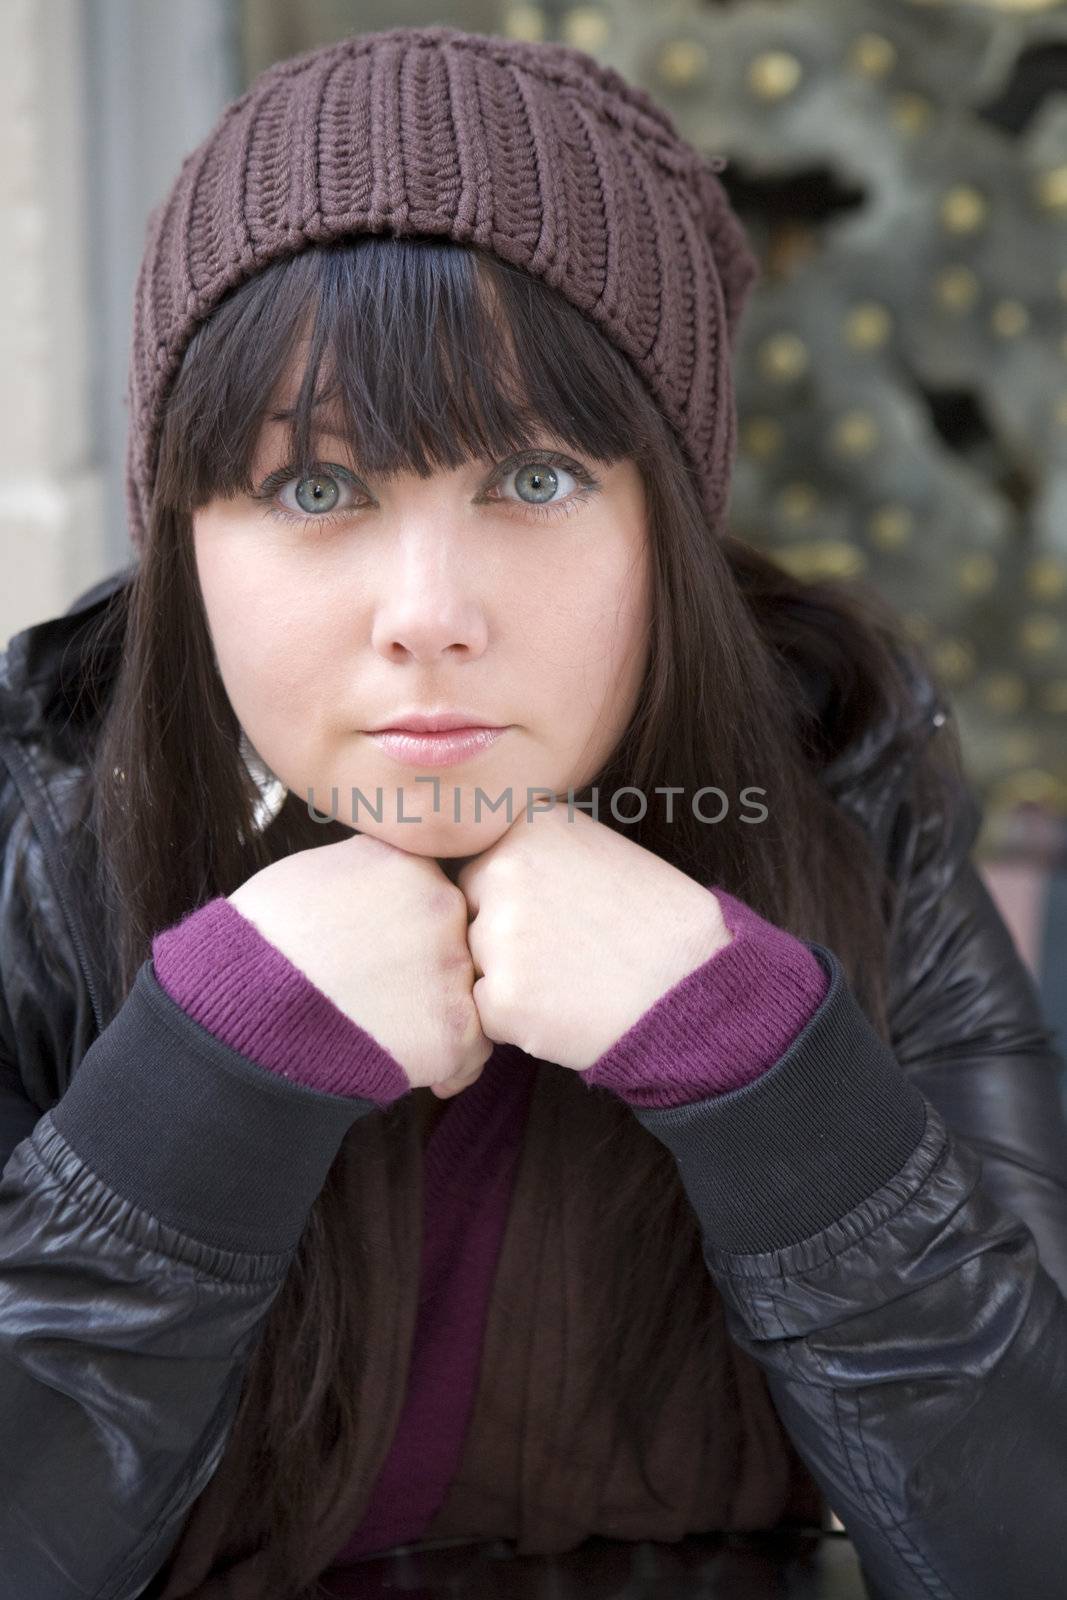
pixel 364 600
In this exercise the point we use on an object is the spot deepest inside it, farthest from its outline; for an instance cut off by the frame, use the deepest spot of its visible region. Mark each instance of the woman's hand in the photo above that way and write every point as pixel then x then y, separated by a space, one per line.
pixel 384 935
pixel 576 931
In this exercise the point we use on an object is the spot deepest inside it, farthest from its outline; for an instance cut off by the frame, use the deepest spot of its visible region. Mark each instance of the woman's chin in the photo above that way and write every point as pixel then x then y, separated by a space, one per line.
pixel 440 840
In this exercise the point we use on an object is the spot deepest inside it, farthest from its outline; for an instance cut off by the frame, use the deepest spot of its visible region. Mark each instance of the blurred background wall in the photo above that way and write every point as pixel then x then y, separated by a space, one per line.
pixel 902 378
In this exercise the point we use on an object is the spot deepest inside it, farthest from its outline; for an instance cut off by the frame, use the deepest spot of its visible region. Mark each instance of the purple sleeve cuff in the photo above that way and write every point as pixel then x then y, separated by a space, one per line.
pixel 223 973
pixel 724 1024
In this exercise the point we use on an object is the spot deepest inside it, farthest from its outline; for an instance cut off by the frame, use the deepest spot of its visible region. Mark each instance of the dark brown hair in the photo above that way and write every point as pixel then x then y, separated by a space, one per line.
pixel 419 342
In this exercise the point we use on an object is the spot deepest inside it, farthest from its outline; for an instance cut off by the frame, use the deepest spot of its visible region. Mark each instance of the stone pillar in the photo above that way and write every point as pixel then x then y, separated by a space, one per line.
pixel 50 484
pixel 102 102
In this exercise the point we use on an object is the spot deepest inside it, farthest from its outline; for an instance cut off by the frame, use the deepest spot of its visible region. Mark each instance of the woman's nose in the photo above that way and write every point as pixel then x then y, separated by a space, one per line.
pixel 427 612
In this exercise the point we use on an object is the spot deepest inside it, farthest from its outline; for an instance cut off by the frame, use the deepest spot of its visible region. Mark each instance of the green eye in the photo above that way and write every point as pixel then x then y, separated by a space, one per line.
pixel 542 479
pixel 323 494
pixel 317 493
pixel 320 488
pixel 540 471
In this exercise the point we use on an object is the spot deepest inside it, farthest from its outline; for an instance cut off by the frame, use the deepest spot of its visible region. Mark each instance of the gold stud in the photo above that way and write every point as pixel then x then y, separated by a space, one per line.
pixel 1030 786
pixel 957 289
pixel 954 659
pixel 867 325
pixel 963 208
pixel 762 437
pixel 681 62
pixel 1050 188
pixel 586 28
pixel 1009 318
pixel 891 527
pixel 977 573
pixel 910 113
pixel 774 74
pixel 1004 691
pixel 1046 578
pixel 798 502
pixel 820 559
pixel 1039 632
pixel 872 55
pixel 525 22
pixel 783 357
pixel 854 434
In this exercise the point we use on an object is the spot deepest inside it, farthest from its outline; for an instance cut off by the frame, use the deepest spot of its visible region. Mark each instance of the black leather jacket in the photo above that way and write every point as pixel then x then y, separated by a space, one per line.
pixel 888 1227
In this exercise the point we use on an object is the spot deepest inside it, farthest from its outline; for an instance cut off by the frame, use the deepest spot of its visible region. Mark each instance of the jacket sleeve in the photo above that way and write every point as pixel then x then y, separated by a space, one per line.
pixel 886 1225
pixel 968 1029
pixel 147 1222
pixel 18 1114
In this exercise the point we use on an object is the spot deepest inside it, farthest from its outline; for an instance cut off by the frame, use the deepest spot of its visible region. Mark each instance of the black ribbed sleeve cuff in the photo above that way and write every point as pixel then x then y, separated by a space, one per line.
pixel 205 1140
pixel 782 1157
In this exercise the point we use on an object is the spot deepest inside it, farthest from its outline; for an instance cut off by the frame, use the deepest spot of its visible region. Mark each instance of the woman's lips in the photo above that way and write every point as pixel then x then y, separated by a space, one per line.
pixel 436 749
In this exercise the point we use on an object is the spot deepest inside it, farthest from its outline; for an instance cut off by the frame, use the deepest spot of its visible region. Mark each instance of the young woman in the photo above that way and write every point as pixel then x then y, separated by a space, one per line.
pixel 631 1118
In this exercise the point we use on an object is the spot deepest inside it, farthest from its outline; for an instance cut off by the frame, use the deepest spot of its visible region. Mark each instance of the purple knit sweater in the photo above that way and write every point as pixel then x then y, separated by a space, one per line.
pixel 721 1026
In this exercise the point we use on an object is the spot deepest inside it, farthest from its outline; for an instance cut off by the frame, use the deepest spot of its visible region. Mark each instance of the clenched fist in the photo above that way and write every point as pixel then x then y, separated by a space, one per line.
pixel 384 935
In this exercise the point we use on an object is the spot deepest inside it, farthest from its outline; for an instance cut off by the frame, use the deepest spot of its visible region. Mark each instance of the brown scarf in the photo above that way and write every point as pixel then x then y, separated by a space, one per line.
pixel 722 1459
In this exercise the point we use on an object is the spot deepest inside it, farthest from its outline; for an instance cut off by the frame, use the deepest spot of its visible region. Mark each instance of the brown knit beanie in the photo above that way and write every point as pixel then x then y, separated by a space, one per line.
pixel 534 152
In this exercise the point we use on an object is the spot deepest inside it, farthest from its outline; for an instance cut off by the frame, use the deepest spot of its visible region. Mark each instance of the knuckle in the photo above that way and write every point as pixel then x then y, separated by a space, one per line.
pixel 444 900
pixel 456 1017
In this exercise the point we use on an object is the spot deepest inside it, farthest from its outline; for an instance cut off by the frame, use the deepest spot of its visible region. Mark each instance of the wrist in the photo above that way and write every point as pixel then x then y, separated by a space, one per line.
pixel 708 930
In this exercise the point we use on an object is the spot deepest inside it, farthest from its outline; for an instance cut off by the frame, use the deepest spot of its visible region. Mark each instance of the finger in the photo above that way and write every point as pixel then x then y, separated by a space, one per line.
pixel 481 994
pixel 476 946
pixel 468 879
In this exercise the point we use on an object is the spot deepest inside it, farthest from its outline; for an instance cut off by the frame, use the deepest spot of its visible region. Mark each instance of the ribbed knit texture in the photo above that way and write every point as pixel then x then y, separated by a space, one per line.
pixel 534 152
pixel 725 1023
pixel 721 1026
pixel 220 969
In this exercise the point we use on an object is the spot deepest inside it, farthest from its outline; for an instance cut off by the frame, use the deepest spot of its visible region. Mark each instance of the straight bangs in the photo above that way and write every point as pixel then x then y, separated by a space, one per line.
pixel 421 355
